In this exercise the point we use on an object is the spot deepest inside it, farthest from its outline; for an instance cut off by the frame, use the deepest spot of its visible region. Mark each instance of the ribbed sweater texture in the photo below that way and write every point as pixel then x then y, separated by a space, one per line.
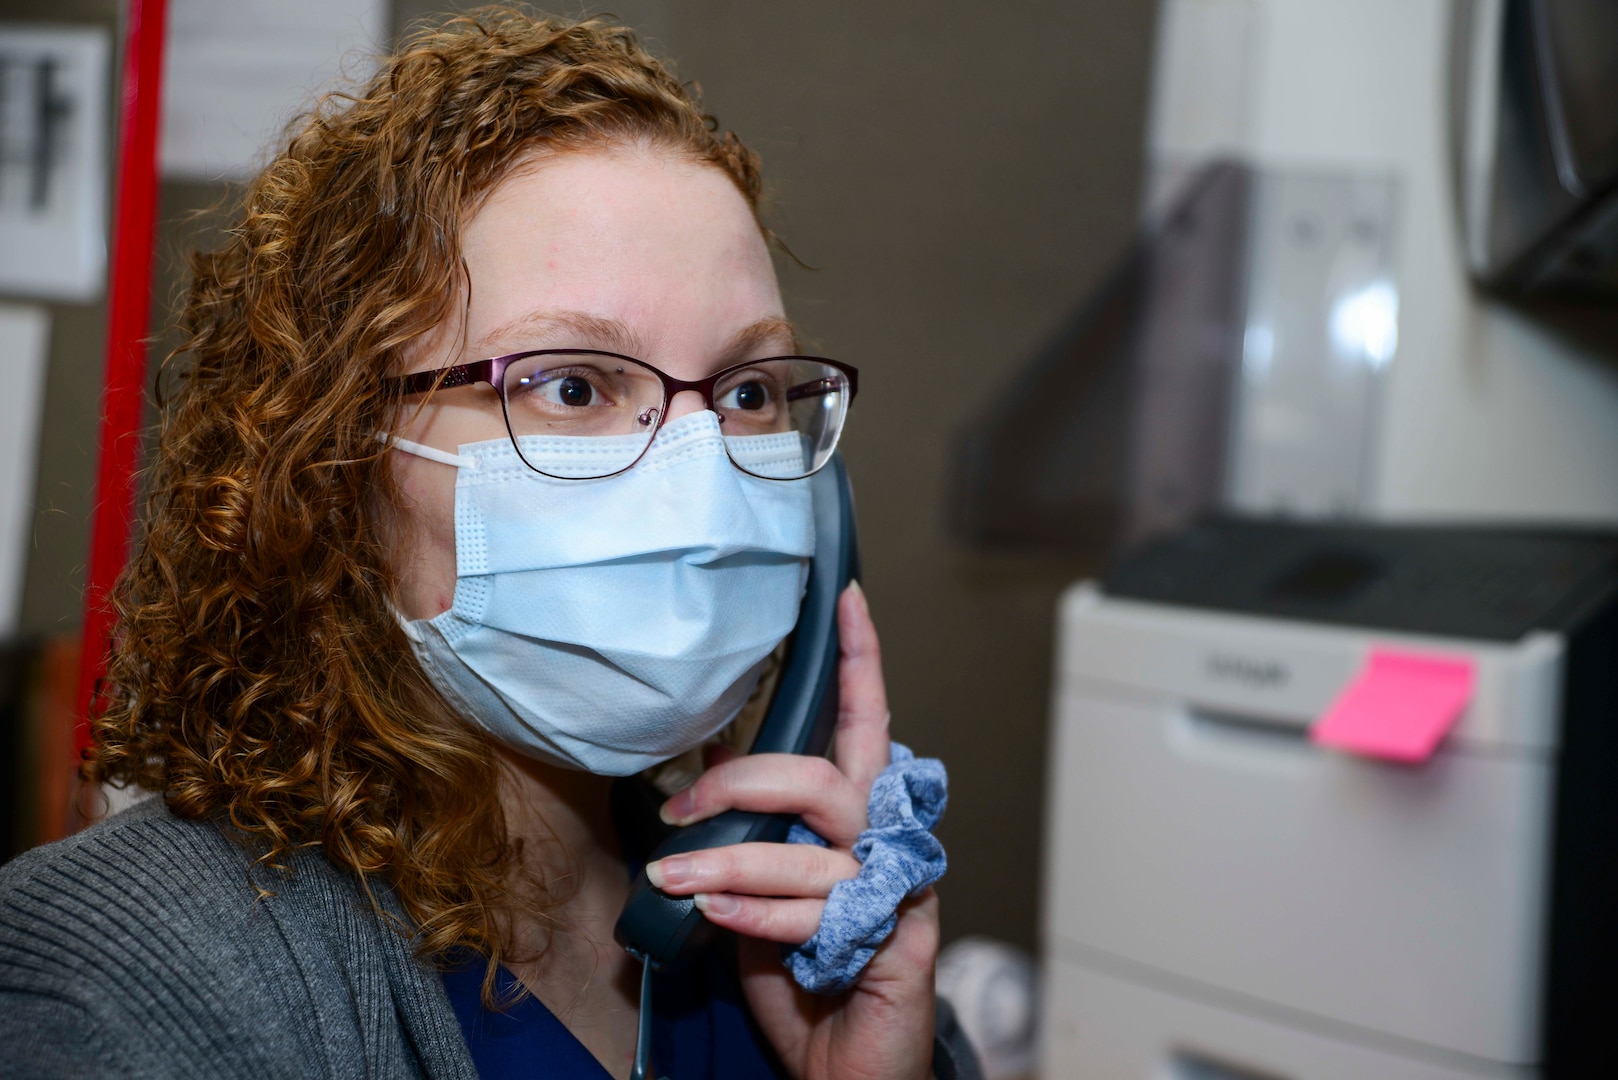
pixel 140 948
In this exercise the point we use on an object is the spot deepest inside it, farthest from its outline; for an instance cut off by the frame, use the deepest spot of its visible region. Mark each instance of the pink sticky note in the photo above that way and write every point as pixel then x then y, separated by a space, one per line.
pixel 1399 707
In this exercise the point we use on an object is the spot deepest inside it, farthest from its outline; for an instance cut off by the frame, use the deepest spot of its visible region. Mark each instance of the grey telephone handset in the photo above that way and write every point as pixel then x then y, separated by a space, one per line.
pixel 665 930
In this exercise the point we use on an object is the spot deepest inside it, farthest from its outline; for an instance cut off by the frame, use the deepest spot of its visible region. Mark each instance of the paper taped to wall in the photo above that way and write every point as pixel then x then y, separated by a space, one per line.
pixel 1399 707
pixel 236 72
pixel 53 165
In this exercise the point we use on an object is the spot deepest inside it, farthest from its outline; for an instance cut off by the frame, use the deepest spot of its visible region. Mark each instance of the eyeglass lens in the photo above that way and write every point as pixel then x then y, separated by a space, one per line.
pixel 584 415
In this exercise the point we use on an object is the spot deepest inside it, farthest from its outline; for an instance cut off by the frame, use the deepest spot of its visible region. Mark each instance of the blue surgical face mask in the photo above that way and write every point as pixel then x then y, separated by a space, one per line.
pixel 612 624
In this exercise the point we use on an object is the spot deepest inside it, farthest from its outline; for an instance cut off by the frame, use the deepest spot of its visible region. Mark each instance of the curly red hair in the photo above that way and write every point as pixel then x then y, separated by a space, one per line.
pixel 259 675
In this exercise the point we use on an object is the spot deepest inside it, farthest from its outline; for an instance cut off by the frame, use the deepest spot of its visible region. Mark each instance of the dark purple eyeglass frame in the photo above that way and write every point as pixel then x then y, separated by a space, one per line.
pixel 493 372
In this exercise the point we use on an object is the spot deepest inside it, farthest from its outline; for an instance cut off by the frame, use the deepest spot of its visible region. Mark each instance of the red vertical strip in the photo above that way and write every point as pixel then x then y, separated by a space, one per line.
pixel 129 306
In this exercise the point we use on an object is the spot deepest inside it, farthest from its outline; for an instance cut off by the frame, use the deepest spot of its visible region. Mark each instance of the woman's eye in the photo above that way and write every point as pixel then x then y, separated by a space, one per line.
pixel 568 391
pixel 749 396
pixel 573 391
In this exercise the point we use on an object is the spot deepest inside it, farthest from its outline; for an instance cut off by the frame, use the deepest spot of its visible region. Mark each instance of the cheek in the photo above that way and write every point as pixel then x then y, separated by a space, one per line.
pixel 424 545
pixel 429 499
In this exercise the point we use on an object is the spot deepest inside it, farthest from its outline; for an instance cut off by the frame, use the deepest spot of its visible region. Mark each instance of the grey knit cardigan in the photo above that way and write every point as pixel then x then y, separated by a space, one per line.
pixel 140 948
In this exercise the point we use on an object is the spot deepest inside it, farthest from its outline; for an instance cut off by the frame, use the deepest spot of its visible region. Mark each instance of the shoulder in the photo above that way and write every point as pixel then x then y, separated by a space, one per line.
pixel 146 875
pixel 111 894
pixel 159 939
pixel 129 875
pixel 120 927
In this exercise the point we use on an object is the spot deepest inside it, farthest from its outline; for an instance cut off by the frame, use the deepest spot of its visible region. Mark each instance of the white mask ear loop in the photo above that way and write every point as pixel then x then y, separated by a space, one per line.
pixel 460 461
pixel 443 457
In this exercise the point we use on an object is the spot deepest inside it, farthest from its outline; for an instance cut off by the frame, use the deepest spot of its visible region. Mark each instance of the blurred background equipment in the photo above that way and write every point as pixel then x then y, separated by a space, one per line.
pixel 1332 788
pixel 1120 424
pixel 1222 889
pixel 1234 360
pixel 1296 329
pixel 1535 137
pixel 994 988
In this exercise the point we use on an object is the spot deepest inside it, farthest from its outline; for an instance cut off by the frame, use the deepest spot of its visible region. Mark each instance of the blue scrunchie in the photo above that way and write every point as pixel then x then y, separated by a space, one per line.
pixel 899 856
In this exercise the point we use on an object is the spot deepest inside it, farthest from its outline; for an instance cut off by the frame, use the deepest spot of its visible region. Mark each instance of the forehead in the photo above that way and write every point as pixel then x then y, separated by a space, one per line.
pixel 665 245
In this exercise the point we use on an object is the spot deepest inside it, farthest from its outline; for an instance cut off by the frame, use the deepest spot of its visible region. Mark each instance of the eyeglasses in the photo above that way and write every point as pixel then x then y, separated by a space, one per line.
pixel 583 414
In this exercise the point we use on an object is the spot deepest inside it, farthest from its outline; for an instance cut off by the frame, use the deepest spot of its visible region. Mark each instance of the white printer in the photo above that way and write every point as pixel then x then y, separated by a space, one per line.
pixel 1226 900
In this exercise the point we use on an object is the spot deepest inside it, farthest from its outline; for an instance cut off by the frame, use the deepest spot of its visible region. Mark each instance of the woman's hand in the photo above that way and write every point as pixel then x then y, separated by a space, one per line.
pixel 774 893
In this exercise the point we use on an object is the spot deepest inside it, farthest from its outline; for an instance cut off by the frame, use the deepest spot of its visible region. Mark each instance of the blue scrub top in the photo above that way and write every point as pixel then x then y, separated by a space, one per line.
pixel 700 1028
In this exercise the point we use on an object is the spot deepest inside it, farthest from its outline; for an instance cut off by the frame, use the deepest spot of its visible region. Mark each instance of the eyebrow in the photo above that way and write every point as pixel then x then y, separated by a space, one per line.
pixel 616 336
pixel 768 329
pixel 610 333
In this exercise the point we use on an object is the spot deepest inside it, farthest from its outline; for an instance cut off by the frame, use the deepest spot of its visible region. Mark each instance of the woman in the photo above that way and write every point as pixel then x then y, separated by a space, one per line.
pixel 386 840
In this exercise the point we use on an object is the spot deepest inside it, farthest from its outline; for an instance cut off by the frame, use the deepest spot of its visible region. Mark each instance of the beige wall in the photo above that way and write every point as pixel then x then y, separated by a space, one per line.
pixel 959 174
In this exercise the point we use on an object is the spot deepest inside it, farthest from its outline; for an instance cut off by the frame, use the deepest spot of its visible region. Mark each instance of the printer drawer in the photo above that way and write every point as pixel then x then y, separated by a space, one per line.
pixel 1400 901
pixel 1100 1026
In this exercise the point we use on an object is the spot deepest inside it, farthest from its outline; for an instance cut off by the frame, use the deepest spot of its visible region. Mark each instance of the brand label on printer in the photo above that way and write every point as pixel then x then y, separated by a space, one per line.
pixel 1247 670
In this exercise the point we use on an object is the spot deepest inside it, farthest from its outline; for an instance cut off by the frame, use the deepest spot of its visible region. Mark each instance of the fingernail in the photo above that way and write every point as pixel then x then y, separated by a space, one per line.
pixel 674 870
pixel 717 903
pixel 678 810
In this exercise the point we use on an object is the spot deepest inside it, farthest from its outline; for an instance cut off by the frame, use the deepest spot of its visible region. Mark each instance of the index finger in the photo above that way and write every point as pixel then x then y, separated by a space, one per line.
pixel 861 749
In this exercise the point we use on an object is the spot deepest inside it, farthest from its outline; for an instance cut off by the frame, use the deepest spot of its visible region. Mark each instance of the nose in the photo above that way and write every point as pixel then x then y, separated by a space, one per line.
pixel 684 403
